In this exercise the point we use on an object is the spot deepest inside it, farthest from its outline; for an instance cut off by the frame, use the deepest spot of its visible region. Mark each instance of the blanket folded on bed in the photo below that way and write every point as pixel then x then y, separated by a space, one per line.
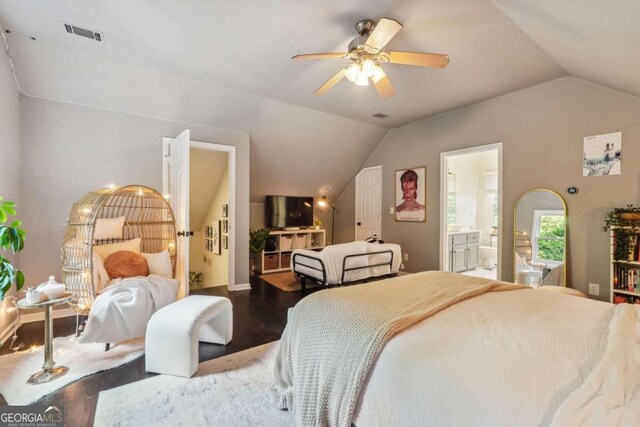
pixel 334 336
pixel 611 393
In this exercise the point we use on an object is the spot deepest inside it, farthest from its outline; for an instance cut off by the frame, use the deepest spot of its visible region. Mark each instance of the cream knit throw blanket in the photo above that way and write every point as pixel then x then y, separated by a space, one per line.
pixel 334 337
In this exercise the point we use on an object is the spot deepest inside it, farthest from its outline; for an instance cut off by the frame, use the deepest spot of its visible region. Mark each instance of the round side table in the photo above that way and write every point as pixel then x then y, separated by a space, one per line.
pixel 49 371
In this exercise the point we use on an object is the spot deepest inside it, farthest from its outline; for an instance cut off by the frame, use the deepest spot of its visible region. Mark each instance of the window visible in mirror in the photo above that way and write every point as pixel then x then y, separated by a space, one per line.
pixel 548 236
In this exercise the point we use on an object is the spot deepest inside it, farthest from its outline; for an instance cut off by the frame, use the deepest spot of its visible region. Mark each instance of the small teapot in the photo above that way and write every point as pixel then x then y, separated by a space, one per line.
pixel 52 289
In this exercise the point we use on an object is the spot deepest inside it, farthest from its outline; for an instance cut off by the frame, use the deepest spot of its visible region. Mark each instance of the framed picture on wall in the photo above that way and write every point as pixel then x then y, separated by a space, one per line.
pixel 216 237
pixel 225 242
pixel 208 246
pixel 208 231
pixel 225 225
pixel 225 211
pixel 411 195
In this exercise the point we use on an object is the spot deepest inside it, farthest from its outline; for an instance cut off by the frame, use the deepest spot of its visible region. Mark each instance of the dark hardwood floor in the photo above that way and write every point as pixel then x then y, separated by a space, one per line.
pixel 259 317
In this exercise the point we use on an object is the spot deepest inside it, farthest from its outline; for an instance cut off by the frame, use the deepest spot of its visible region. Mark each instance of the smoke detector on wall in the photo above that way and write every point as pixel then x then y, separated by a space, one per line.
pixel 83 32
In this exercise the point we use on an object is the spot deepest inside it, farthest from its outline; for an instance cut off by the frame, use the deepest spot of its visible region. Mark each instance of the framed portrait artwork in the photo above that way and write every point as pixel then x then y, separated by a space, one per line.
pixel 216 237
pixel 208 231
pixel 225 211
pixel 411 195
pixel 207 245
pixel 225 242
pixel 225 225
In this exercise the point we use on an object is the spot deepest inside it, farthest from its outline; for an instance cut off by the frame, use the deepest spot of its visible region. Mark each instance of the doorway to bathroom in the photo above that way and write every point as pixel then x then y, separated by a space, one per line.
pixel 471 211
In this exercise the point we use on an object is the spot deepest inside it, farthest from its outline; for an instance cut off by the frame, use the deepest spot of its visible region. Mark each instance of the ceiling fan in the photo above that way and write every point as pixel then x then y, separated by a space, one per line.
pixel 366 53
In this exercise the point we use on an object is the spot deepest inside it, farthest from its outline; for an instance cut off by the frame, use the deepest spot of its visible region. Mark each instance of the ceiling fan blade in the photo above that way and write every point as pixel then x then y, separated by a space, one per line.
pixel 384 31
pixel 435 60
pixel 383 86
pixel 330 83
pixel 319 56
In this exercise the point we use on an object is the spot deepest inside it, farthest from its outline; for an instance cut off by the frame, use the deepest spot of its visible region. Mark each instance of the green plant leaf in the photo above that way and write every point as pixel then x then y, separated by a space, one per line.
pixel 3 216
pixel 19 279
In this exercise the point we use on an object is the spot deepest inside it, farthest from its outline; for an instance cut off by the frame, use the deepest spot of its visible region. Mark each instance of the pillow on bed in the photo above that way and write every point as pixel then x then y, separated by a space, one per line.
pixel 122 264
pixel 160 263
pixel 108 228
pixel 104 251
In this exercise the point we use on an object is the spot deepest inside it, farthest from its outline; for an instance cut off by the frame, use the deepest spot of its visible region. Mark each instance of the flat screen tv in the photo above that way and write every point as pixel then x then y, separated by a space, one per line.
pixel 288 211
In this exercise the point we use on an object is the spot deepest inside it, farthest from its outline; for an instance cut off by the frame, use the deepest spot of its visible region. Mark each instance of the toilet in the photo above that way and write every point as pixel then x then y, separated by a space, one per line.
pixel 488 256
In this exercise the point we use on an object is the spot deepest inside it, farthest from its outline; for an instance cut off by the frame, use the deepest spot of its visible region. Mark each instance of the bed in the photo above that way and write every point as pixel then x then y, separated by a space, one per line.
pixel 504 357
pixel 346 262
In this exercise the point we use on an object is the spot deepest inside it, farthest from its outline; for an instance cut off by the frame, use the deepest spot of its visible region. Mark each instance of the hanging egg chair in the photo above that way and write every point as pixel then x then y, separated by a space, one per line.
pixel 147 215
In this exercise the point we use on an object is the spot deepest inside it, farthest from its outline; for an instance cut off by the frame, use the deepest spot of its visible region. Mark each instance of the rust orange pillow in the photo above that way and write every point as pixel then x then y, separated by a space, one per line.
pixel 123 264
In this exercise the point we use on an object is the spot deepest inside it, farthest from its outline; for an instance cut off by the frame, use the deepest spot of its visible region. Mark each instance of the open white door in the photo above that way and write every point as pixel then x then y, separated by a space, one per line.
pixel 179 200
pixel 368 202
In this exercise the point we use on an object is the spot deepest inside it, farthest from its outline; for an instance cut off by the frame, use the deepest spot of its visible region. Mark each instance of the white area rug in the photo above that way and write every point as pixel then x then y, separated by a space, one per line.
pixel 81 359
pixel 229 391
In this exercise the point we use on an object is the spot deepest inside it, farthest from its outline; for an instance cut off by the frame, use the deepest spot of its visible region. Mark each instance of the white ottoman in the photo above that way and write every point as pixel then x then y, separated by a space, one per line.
pixel 171 343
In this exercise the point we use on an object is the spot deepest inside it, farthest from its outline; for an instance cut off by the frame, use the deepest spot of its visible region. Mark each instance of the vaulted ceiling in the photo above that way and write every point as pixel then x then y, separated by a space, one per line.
pixel 227 64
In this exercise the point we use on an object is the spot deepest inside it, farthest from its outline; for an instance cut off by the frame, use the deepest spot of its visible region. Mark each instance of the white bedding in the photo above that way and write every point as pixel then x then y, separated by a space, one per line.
pixel 123 309
pixel 494 360
pixel 333 257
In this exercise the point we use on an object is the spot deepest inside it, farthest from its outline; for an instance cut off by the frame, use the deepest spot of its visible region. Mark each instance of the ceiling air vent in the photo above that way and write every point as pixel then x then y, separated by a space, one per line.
pixel 380 116
pixel 83 32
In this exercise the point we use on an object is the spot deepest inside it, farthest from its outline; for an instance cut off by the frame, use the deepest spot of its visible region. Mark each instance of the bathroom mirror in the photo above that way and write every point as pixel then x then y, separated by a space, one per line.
pixel 539 241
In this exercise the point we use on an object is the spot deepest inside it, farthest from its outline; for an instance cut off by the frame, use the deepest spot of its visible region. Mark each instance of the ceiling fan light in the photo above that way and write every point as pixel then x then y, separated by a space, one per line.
pixel 362 80
pixel 378 73
pixel 352 71
pixel 368 67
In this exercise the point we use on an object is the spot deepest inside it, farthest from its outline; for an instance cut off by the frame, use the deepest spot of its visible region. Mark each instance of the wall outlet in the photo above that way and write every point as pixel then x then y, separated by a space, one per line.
pixel 594 289
pixel 406 257
pixel 391 210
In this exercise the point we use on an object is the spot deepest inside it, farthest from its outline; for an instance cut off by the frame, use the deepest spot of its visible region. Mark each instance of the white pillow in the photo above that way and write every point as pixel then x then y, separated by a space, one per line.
pixel 108 228
pixel 104 251
pixel 160 263
pixel 100 275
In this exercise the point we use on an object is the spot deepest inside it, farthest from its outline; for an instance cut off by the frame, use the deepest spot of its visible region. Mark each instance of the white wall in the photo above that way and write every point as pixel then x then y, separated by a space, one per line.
pixel 542 130
pixel 9 154
pixel 471 202
pixel 69 150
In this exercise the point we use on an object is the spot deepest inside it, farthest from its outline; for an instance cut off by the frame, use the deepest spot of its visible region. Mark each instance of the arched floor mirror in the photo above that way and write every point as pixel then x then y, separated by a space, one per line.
pixel 539 241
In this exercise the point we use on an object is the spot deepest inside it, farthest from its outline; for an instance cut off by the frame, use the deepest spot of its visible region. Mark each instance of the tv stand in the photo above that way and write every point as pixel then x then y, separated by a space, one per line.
pixel 286 242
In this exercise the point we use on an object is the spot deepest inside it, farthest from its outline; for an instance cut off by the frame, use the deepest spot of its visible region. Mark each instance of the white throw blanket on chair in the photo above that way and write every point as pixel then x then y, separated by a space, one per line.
pixel 122 311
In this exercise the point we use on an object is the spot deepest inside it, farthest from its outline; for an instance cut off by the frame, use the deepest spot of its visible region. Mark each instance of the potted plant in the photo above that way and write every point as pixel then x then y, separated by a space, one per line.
pixel 195 279
pixel 11 239
pixel 625 223
pixel 257 243
pixel 317 223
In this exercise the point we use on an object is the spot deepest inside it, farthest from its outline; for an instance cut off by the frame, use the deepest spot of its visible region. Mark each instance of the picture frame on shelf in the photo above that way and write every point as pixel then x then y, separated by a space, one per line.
pixel 225 211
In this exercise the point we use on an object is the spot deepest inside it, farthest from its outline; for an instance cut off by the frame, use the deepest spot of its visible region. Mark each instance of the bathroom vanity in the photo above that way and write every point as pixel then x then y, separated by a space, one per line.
pixel 464 248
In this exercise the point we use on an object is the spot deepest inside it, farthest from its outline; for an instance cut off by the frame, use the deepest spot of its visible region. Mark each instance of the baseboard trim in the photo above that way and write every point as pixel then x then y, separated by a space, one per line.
pixel 242 287
pixel 39 317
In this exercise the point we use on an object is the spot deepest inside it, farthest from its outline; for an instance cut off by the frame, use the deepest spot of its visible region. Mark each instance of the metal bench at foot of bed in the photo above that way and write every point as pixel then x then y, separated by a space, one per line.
pixel 301 260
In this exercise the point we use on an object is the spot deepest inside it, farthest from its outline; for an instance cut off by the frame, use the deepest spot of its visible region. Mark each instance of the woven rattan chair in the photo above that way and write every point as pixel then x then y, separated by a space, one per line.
pixel 147 215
